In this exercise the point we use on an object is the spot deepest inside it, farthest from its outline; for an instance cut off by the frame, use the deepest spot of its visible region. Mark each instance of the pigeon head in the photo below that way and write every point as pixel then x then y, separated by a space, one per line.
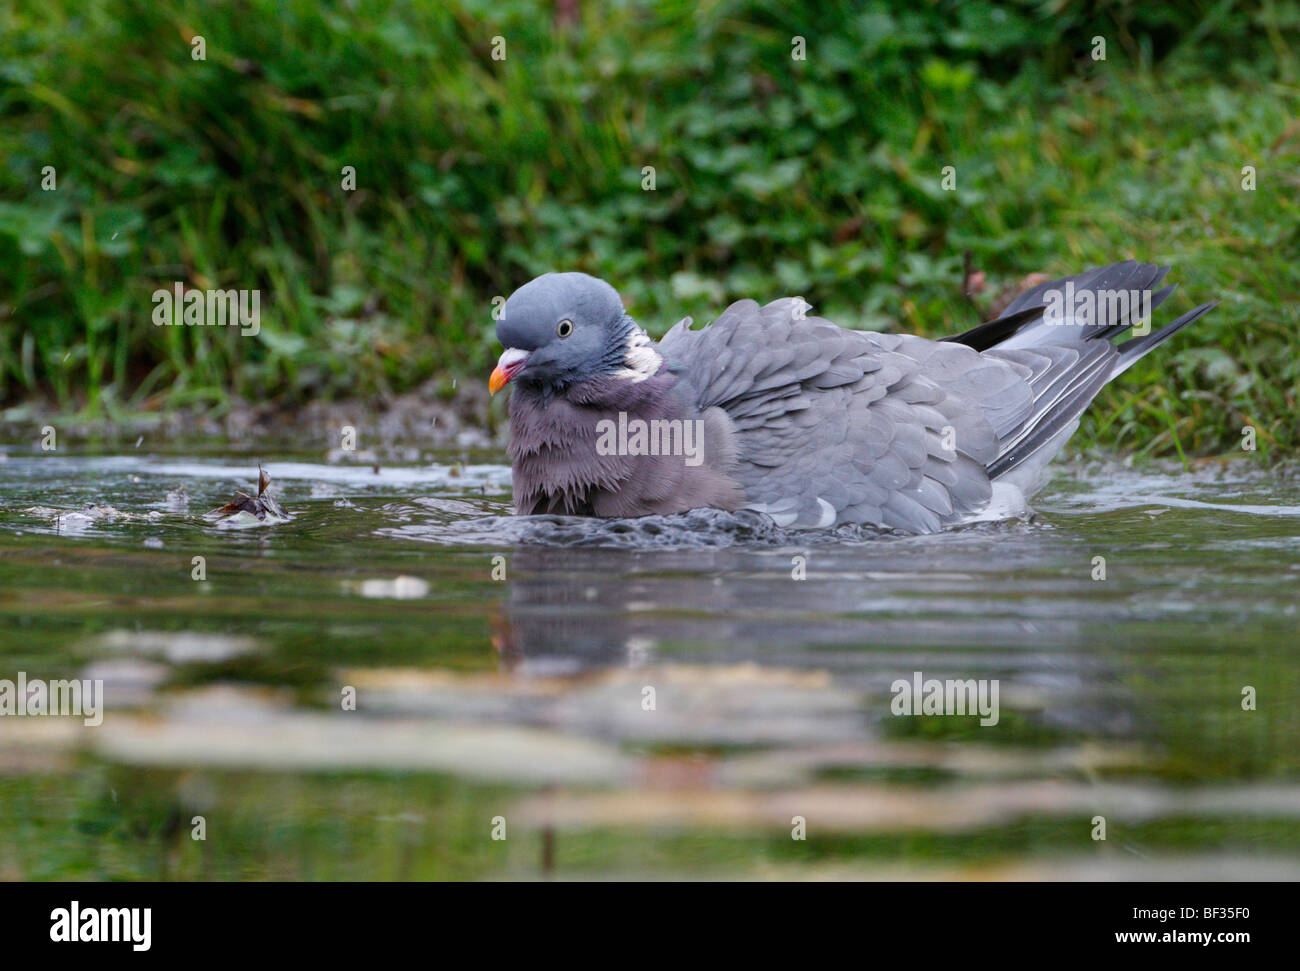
pixel 565 328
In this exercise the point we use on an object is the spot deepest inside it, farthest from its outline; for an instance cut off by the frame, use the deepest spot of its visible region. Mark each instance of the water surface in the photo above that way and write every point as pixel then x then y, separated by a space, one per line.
pixel 500 668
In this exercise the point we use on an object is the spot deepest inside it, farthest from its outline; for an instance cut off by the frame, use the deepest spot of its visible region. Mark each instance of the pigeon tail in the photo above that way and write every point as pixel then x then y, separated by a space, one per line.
pixel 1079 314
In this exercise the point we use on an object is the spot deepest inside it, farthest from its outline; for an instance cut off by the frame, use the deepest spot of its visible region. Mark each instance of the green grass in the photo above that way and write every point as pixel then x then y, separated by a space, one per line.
pixel 773 176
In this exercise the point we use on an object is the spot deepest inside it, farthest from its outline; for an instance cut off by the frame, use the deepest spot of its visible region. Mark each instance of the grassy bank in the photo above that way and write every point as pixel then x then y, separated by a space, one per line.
pixel 772 176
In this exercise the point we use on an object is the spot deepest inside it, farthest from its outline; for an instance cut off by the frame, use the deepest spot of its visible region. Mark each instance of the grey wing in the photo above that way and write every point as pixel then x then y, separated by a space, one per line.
pixel 837 426
pixel 841 426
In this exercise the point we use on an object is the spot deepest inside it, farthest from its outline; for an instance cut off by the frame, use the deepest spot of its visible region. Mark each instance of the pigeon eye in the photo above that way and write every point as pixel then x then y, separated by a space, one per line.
pixel 565 328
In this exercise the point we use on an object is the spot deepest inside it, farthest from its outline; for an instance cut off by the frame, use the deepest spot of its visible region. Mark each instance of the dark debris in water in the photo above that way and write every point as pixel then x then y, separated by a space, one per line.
pixel 246 510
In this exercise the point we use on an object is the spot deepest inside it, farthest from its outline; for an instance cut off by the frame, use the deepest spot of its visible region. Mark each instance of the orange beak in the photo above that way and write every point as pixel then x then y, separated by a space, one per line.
pixel 511 363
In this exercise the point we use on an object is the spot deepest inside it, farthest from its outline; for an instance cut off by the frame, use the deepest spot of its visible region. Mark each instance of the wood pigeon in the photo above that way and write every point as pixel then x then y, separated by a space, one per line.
pixel 771 409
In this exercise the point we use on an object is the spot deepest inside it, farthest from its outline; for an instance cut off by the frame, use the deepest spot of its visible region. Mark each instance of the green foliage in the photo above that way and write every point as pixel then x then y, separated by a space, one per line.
pixel 773 175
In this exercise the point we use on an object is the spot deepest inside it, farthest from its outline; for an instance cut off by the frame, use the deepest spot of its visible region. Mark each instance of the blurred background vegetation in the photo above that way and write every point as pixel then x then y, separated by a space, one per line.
pixel 819 177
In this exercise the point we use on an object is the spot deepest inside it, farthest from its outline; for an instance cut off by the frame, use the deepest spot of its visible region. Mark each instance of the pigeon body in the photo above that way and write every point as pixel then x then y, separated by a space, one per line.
pixel 815 425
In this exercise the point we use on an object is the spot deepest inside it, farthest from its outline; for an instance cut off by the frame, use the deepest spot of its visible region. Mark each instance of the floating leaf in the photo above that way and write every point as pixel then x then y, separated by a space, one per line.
pixel 246 510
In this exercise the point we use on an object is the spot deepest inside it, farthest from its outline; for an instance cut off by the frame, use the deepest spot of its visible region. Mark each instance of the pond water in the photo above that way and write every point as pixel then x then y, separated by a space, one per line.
pixel 695 696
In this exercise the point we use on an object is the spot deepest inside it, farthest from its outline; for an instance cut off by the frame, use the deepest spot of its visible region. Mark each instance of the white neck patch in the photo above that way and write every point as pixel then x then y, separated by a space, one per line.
pixel 640 359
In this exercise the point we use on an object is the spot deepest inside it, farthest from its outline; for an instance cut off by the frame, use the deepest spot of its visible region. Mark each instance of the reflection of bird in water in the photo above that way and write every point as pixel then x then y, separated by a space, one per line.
pixel 573 610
